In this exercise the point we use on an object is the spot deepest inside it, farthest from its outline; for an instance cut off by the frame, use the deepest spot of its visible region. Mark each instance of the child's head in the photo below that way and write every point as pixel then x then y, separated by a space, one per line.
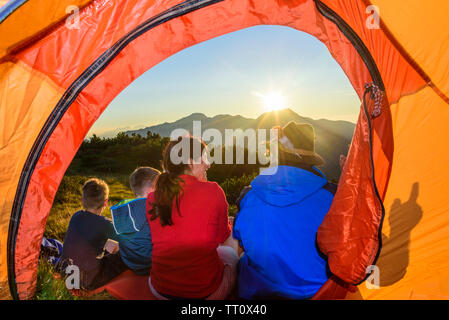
pixel 142 181
pixel 95 195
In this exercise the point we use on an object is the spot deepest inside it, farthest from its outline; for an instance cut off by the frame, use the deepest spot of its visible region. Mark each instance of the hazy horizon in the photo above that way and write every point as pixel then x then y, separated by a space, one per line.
pixel 112 133
pixel 236 74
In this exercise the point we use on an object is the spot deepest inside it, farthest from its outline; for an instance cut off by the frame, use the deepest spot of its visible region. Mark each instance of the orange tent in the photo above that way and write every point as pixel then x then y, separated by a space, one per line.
pixel 58 73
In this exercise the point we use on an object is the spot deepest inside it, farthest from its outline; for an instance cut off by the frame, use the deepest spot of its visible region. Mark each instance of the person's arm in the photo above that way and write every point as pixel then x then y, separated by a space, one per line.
pixel 111 244
pixel 109 230
pixel 231 242
pixel 238 240
pixel 240 250
pixel 235 231
pixel 223 223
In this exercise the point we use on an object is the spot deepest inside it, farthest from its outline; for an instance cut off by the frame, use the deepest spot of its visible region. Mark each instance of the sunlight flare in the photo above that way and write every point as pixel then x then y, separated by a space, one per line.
pixel 272 101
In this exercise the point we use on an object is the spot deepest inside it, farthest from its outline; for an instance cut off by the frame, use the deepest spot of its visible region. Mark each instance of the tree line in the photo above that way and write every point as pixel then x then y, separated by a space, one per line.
pixel 123 153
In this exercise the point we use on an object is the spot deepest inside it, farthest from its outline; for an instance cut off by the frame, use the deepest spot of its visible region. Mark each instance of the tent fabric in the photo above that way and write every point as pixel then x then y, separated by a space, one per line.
pixel 127 286
pixel 392 196
pixel 34 19
pixel 420 28
pixel 414 260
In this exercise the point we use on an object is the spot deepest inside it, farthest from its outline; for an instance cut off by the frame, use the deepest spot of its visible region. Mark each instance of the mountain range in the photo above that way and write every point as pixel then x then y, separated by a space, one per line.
pixel 332 137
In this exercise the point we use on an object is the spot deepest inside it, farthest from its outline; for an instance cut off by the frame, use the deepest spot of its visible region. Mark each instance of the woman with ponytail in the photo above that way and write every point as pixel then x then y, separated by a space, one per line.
pixel 190 229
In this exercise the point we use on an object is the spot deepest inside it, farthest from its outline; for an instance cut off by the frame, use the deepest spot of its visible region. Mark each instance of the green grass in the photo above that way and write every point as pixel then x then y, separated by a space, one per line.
pixel 50 286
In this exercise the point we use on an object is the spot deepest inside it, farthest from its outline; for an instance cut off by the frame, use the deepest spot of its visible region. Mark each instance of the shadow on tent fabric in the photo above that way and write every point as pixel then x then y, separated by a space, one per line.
pixel 394 258
pixel 4 291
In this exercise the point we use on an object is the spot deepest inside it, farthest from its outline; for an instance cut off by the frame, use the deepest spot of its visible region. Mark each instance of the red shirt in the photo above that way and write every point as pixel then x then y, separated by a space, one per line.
pixel 185 262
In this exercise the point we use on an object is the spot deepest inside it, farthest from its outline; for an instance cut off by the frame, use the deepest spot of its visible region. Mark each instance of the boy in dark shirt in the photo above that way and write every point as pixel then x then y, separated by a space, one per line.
pixel 88 244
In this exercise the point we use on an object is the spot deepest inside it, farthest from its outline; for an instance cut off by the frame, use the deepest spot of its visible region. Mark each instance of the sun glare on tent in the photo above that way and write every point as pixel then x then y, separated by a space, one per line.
pixel 272 101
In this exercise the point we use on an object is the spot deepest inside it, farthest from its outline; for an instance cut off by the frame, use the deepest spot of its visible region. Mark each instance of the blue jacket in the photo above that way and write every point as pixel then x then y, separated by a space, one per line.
pixel 134 237
pixel 277 225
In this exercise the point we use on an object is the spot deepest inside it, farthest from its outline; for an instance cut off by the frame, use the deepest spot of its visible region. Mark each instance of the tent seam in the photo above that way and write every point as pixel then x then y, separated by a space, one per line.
pixel 412 62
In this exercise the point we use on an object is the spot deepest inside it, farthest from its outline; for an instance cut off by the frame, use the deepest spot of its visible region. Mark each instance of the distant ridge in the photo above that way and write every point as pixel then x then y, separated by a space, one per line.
pixel 333 137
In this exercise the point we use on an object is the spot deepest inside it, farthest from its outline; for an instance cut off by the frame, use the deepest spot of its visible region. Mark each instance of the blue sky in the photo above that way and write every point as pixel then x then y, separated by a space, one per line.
pixel 229 75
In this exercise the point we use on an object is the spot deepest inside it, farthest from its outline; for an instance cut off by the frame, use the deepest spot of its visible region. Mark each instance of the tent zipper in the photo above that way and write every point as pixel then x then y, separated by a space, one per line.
pixel 376 89
pixel 355 40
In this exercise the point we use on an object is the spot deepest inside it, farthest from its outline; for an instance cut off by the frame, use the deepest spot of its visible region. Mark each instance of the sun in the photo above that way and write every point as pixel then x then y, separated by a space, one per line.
pixel 273 101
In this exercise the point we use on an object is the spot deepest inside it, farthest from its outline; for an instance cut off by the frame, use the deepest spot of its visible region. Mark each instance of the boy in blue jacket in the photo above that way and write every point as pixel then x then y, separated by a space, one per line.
pixel 278 220
pixel 130 223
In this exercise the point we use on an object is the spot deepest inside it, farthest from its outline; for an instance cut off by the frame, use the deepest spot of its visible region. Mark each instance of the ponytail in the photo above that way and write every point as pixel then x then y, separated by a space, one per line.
pixel 168 188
